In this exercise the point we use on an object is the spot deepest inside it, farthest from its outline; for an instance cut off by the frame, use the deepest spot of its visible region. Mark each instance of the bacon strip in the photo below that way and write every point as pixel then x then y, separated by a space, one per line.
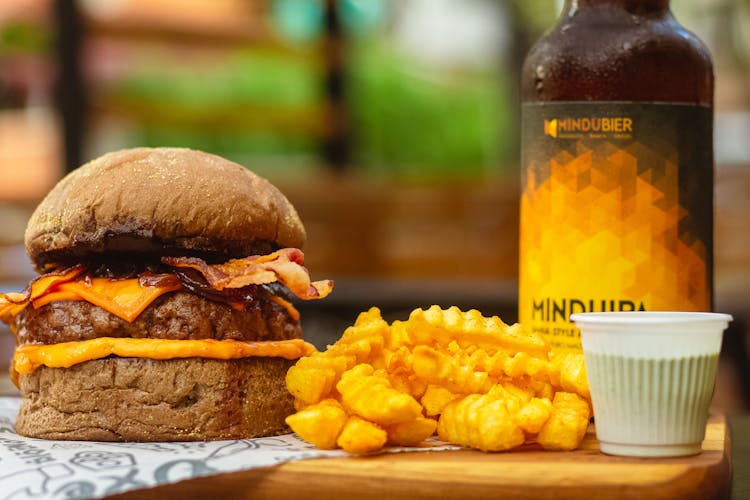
pixel 127 298
pixel 285 266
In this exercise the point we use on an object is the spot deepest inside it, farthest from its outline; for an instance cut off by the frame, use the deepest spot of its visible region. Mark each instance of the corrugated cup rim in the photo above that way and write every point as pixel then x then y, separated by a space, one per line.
pixel 649 317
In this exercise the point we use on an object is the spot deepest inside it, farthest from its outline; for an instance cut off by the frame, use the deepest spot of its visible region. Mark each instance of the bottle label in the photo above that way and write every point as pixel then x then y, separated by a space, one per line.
pixel 616 212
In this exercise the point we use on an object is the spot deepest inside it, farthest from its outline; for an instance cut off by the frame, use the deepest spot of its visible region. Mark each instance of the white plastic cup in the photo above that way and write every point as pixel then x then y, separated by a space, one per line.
pixel 652 377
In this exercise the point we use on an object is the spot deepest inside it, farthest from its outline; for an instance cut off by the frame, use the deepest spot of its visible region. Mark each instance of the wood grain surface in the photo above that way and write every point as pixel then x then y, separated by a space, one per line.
pixel 527 473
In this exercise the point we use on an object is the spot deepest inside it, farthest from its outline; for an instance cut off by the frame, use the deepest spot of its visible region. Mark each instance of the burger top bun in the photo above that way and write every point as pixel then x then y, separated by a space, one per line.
pixel 161 201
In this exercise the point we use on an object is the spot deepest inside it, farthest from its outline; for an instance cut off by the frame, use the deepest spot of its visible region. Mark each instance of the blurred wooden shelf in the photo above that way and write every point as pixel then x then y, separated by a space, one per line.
pixel 363 227
pixel 219 22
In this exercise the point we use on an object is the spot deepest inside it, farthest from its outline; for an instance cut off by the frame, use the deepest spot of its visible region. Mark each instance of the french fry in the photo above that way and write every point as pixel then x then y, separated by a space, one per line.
pixel 319 424
pixel 493 386
pixel 436 398
pixel 532 416
pixel 411 432
pixel 313 378
pixel 437 368
pixel 480 421
pixel 567 423
pixel 360 436
pixel 572 373
pixel 439 326
pixel 371 397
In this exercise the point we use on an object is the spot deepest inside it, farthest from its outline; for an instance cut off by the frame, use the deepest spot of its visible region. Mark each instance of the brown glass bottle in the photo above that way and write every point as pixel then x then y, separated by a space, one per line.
pixel 618 50
pixel 617 166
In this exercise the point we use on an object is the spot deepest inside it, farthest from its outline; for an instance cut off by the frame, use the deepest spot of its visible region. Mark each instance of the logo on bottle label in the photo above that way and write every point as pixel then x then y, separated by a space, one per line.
pixel 595 127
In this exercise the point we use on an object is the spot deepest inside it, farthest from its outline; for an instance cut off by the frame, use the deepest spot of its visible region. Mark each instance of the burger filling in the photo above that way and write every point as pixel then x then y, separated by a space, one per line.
pixel 221 308
pixel 178 315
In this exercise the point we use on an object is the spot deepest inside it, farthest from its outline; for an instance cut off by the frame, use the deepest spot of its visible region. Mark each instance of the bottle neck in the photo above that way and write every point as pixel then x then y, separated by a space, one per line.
pixel 631 5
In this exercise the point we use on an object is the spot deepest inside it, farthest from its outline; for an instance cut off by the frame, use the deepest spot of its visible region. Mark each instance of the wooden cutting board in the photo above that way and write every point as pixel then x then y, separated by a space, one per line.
pixel 528 473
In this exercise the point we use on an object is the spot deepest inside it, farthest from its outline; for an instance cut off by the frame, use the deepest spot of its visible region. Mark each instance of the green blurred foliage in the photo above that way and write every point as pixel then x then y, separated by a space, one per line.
pixel 26 38
pixel 410 121
pixel 230 104
pixel 245 78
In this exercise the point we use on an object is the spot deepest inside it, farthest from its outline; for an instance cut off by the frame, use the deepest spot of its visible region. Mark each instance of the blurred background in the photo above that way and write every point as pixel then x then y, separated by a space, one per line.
pixel 392 125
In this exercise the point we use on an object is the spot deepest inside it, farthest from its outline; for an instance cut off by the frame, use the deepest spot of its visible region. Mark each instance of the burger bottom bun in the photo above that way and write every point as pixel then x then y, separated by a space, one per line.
pixel 138 399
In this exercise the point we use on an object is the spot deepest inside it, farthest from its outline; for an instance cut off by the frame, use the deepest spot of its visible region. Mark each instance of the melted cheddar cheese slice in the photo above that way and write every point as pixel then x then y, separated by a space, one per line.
pixel 123 298
pixel 29 357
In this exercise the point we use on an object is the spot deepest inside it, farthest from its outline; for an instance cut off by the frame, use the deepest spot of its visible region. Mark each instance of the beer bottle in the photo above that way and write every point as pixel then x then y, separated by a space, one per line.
pixel 617 167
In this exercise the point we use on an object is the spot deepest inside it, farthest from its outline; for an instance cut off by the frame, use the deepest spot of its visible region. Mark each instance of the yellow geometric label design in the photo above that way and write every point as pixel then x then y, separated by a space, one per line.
pixel 599 232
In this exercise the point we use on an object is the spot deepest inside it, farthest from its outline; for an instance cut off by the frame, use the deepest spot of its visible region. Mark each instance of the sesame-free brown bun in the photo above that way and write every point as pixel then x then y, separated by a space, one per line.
pixel 161 201
pixel 138 399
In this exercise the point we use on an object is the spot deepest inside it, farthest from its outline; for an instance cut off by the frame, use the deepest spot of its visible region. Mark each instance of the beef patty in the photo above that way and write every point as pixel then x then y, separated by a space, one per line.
pixel 176 316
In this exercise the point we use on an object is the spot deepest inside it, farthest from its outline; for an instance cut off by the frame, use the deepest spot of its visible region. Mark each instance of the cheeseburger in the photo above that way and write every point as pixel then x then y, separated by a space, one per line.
pixel 164 307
